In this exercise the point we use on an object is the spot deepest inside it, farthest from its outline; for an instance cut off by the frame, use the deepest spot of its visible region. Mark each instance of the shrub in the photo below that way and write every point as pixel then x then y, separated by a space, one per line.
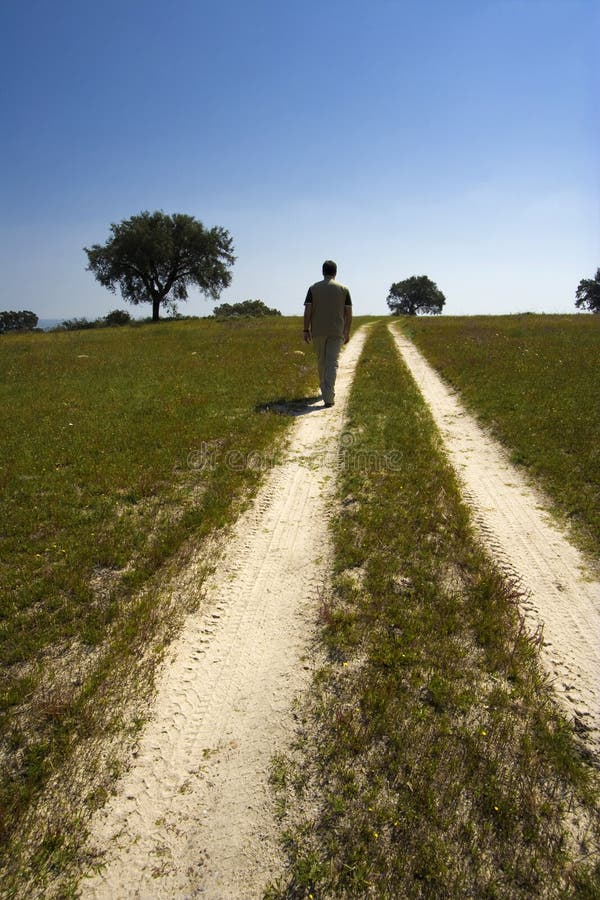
pixel 78 324
pixel 247 308
pixel 117 317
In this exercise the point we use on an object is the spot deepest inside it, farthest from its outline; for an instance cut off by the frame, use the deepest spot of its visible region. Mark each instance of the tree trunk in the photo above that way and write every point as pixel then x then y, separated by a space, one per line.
pixel 155 309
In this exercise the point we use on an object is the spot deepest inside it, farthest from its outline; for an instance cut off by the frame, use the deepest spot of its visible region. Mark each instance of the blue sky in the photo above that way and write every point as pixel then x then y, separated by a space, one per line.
pixel 454 138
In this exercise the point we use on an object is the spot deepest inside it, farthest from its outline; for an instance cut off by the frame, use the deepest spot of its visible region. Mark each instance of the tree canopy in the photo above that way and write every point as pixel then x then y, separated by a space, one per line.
pixel 154 258
pixel 246 308
pixel 588 294
pixel 415 295
pixel 21 320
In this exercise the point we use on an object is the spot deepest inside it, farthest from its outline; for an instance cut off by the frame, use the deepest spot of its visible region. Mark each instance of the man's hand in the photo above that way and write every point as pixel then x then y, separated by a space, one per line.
pixel 307 337
pixel 346 337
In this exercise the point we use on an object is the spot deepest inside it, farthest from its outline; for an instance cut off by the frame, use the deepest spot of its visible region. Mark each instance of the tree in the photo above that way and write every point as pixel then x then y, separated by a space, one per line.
pixel 414 295
pixel 23 320
pixel 154 258
pixel 588 293
pixel 247 308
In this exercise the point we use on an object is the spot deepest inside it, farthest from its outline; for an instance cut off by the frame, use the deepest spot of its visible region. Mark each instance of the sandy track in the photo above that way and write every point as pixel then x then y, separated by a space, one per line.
pixel 193 816
pixel 561 596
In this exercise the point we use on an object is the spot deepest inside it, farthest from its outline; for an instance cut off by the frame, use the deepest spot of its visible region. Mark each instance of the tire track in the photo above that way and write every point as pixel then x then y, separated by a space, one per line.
pixel 193 817
pixel 561 599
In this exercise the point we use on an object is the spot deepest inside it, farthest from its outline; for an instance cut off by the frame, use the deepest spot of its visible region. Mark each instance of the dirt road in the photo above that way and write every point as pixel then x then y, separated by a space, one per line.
pixel 561 596
pixel 193 817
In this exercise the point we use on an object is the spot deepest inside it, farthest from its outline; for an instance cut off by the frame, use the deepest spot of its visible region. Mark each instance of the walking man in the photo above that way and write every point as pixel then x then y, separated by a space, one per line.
pixel 327 320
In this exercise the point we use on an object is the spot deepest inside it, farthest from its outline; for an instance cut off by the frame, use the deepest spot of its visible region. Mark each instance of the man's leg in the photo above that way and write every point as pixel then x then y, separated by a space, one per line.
pixel 333 346
pixel 320 344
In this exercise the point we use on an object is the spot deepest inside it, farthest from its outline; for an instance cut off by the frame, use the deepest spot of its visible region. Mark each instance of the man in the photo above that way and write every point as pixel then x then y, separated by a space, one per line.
pixel 327 320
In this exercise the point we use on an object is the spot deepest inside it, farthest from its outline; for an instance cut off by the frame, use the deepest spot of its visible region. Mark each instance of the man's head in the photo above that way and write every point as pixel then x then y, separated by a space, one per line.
pixel 329 269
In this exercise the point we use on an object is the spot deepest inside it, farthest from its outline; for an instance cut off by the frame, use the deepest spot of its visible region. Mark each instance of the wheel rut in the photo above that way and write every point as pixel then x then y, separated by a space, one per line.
pixel 561 597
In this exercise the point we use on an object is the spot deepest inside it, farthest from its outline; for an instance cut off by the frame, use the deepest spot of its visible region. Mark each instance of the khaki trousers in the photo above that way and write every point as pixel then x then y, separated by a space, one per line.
pixel 327 350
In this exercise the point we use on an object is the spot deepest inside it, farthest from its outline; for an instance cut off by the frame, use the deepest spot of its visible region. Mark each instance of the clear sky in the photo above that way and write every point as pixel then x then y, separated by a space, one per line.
pixel 454 138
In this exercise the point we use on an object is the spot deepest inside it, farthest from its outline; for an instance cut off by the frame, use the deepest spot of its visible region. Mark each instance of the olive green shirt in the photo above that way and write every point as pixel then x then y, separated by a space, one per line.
pixel 329 299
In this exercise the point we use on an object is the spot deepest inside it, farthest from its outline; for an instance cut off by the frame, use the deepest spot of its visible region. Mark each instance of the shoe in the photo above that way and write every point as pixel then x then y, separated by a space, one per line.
pixel 327 405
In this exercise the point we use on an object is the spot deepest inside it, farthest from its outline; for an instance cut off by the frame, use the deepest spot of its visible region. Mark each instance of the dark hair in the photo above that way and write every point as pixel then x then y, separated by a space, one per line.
pixel 329 268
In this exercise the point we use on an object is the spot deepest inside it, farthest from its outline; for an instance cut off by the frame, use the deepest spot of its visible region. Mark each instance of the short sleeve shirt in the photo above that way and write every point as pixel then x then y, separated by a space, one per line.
pixel 329 299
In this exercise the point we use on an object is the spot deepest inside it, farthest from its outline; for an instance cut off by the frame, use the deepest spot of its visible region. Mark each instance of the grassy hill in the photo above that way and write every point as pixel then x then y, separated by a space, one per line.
pixel 125 450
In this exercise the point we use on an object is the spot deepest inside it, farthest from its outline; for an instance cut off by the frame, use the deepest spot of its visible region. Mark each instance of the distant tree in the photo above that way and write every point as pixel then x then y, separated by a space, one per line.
pixel 154 258
pixel 246 308
pixel 588 294
pixel 24 320
pixel 117 317
pixel 417 294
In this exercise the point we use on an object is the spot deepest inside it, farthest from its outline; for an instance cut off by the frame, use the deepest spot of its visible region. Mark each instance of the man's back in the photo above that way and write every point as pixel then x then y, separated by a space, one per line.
pixel 329 299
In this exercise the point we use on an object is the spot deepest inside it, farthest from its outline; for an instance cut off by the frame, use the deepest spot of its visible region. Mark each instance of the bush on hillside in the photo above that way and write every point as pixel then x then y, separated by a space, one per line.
pixel 247 308
pixel 117 317
pixel 78 324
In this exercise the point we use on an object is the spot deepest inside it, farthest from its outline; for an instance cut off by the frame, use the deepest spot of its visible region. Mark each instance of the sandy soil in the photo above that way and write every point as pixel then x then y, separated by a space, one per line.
pixel 561 596
pixel 193 816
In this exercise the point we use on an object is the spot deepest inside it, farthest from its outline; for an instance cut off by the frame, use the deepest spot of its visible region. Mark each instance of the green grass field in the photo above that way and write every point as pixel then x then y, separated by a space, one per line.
pixel 119 446
pixel 534 381
pixel 432 761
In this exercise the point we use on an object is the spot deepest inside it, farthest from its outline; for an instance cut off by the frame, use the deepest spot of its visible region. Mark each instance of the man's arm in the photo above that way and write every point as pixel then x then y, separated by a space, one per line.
pixel 307 316
pixel 347 321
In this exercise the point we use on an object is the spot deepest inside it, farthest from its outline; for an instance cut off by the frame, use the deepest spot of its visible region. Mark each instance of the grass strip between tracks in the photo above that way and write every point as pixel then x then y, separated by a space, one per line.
pixel 431 761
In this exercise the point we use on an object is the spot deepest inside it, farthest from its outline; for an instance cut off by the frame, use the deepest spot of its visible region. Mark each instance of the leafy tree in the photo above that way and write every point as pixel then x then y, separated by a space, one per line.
pixel 24 320
pixel 117 317
pixel 154 258
pixel 246 308
pixel 414 295
pixel 588 294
